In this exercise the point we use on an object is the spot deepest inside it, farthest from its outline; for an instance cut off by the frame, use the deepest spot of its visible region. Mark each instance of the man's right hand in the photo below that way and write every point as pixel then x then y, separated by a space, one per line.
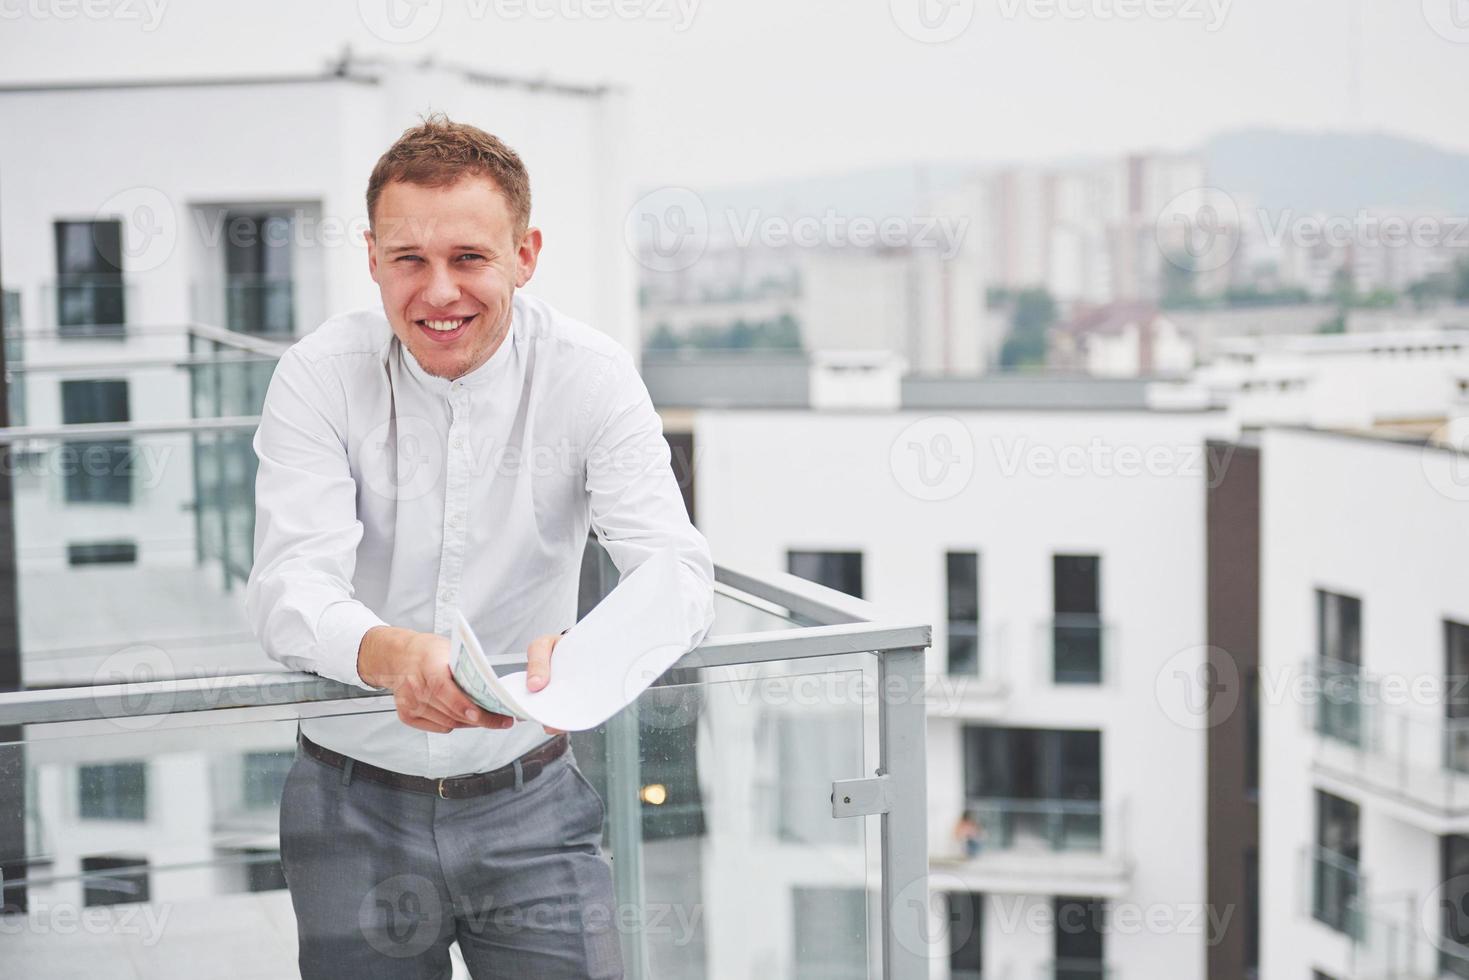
pixel 415 667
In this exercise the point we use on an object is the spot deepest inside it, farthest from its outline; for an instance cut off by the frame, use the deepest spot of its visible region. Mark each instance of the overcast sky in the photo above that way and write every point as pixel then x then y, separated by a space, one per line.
pixel 730 90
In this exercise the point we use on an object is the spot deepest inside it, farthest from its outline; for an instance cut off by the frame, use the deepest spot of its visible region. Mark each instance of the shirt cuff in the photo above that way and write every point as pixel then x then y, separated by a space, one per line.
pixel 339 635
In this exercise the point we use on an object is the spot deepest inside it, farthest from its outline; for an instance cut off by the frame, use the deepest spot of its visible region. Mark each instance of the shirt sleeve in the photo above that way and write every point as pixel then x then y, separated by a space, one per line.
pixel 636 507
pixel 299 595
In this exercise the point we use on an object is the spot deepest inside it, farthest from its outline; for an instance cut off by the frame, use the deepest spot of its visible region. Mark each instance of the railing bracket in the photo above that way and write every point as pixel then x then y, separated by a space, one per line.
pixel 861 797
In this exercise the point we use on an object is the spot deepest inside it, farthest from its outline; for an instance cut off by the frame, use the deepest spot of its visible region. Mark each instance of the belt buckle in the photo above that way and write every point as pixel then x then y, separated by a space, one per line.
pixel 441 788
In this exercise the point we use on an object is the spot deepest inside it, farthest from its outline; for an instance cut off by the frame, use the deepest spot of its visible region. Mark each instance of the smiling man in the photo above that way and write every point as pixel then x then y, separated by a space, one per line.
pixel 450 451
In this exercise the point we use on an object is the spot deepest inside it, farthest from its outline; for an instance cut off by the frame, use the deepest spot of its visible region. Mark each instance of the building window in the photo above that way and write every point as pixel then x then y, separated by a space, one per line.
pixel 840 570
pixel 1252 735
pixel 1076 626
pixel 966 935
pixel 101 470
pixel 1453 957
pixel 830 933
pixel 259 291
pixel 102 553
pixel 1339 664
pixel 116 791
pixel 961 570
pixel 1034 788
pixel 114 880
pixel 1080 927
pixel 89 287
pixel 1456 699
pixel 1335 873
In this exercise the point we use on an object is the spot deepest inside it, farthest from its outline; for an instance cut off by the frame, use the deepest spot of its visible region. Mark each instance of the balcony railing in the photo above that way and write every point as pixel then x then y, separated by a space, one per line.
pixel 1380 739
pixel 1336 891
pixel 140 772
pixel 1043 847
pixel 1078 649
pixel 200 856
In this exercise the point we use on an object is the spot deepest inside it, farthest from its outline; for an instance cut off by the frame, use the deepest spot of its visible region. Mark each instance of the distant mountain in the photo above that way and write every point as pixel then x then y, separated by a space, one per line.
pixel 1338 173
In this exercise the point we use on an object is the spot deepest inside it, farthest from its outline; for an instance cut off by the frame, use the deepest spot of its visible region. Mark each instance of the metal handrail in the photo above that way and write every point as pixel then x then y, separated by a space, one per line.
pixel 847 626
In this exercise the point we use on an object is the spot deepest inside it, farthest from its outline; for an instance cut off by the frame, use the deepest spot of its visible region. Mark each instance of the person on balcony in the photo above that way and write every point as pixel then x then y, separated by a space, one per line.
pixel 449 451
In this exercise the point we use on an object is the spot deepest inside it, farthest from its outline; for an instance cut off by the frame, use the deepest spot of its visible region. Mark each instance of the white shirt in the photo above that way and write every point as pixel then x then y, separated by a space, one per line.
pixel 386 495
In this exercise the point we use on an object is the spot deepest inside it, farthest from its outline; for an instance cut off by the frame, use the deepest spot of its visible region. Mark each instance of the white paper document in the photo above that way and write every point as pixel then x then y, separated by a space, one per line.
pixel 603 662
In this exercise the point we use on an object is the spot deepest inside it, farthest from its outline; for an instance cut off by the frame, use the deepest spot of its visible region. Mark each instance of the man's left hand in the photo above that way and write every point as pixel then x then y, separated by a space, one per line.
pixel 538 667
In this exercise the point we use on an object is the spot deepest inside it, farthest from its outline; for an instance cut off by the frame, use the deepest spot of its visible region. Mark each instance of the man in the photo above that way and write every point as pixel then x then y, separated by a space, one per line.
pixel 450 451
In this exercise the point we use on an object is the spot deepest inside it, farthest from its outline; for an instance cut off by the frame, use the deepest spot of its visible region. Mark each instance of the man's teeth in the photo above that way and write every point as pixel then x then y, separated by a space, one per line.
pixel 446 325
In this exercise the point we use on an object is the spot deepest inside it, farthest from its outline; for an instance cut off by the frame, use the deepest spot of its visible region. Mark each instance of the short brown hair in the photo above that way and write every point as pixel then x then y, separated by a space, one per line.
pixel 439 152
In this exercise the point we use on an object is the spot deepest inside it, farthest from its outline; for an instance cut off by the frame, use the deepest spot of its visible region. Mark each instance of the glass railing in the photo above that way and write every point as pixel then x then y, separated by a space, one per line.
pixel 1077 969
pixel 1038 825
pixel 1389 739
pixel 1078 649
pixel 147 812
pixel 1337 890
pixel 87 305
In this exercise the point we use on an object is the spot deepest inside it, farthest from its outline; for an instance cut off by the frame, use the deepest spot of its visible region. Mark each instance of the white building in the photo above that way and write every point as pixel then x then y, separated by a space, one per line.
pixel 1363 645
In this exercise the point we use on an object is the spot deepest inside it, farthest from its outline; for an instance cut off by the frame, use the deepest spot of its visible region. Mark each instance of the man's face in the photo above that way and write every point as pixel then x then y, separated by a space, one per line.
pixel 447 261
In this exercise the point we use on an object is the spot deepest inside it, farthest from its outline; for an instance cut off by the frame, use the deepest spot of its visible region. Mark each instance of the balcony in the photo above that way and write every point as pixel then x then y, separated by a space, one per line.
pixel 1370 738
pixel 141 769
pixel 1044 847
pixel 1336 891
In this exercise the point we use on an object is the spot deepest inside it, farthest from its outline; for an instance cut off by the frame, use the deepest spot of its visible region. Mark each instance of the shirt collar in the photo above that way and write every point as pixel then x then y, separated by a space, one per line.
pixel 479 375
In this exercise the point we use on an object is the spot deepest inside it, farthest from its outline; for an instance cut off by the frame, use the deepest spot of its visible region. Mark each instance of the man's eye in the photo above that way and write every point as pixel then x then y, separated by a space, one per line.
pixel 410 258
pixel 473 256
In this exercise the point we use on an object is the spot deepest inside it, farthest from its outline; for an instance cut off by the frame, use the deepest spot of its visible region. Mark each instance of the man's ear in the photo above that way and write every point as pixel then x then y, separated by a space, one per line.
pixel 527 255
pixel 371 253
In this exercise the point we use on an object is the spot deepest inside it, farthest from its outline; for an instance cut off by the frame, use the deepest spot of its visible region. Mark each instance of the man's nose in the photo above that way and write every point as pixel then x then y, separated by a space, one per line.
pixel 442 289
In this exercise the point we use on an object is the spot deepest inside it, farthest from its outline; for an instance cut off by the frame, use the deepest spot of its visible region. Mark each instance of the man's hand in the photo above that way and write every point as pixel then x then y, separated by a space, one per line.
pixel 538 667
pixel 415 667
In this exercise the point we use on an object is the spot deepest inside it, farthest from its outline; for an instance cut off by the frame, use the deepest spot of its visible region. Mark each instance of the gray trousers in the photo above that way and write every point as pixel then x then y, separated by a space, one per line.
pixel 383 880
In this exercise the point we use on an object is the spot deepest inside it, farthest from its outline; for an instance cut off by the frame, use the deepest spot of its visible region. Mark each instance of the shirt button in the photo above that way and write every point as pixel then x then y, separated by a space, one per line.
pixel 456 519
pixel 458 443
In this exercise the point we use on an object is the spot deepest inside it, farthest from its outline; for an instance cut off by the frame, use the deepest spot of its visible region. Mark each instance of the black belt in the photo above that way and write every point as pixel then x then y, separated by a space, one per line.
pixel 449 787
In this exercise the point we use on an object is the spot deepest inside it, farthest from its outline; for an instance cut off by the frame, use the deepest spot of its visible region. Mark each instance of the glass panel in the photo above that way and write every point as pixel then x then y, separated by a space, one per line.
pixel 157 572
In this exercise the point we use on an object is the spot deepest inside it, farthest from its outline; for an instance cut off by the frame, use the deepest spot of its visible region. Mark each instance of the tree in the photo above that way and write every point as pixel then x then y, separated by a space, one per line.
pixel 1035 312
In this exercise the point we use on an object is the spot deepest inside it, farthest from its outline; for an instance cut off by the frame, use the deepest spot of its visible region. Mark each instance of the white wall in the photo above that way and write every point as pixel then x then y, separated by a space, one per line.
pixel 769 481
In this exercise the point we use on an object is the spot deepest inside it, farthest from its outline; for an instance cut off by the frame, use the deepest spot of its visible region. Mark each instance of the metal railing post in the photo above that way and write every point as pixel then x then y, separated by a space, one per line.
pixel 902 727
